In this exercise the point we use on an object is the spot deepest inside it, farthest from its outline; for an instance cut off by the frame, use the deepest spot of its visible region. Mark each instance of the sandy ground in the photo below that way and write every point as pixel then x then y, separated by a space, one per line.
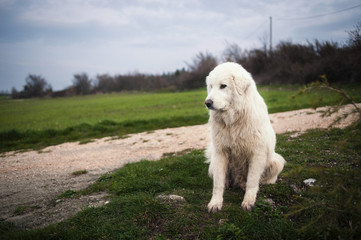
pixel 32 180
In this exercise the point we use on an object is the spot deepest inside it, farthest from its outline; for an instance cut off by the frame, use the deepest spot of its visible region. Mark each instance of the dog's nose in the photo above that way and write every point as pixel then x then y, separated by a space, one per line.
pixel 209 103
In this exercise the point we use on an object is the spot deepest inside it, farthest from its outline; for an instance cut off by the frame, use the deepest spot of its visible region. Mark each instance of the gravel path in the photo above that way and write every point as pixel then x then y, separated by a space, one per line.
pixel 31 180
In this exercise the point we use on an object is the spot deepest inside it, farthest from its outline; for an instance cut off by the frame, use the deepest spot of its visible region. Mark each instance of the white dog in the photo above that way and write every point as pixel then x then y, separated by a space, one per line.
pixel 242 147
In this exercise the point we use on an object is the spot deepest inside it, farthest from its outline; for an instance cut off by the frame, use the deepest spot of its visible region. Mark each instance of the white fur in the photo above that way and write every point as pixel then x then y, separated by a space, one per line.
pixel 242 147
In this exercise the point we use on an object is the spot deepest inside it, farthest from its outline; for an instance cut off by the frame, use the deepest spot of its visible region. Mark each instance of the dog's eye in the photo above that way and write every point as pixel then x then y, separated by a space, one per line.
pixel 223 86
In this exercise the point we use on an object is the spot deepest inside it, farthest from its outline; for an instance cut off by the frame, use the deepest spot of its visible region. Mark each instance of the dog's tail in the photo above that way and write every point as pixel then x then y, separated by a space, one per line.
pixel 273 169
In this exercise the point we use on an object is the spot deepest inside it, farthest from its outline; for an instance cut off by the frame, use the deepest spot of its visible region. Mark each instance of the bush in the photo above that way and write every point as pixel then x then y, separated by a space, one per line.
pixel 36 86
pixel 82 84
pixel 302 63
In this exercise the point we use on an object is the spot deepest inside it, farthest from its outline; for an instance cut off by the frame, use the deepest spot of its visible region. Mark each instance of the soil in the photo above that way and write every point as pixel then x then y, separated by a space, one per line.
pixel 30 182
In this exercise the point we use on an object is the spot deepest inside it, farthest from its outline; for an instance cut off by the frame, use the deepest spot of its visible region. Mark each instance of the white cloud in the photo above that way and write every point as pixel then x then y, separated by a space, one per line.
pixel 69 12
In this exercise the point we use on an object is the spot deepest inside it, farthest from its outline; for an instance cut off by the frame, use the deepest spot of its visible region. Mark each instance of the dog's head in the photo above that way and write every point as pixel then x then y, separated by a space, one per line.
pixel 225 83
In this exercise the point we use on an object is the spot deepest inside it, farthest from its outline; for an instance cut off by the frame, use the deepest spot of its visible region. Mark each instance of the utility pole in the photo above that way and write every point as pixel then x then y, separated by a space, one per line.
pixel 270 34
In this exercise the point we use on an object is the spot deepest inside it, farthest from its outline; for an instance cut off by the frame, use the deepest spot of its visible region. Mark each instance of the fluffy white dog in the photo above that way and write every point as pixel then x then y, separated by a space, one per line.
pixel 242 147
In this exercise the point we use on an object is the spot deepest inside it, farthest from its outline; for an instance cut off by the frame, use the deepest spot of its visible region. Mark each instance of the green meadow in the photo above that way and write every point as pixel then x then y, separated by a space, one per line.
pixel 60 113
pixel 37 123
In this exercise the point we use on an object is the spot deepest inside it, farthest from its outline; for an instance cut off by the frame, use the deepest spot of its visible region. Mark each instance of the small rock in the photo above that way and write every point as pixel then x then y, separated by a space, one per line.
pixel 171 197
pixel 98 204
pixel 296 134
pixel 310 182
pixel 295 188
pixel 222 221
pixel 270 202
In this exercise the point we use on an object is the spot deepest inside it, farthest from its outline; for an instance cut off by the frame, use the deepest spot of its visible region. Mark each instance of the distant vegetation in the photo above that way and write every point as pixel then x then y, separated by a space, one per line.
pixel 288 63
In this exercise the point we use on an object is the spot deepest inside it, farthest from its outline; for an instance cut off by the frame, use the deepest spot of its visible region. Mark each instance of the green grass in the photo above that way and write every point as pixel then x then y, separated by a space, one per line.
pixel 37 123
pixel 61 113
pixel 79 172
pixel 329 210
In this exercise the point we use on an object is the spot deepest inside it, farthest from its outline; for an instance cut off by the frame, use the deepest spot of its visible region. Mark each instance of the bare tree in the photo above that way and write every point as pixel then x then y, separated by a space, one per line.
pixel 202 61
pixel 354 36
pixel 36 86
pixel 105 83
pixel 264 41
pixel 202 64
pixel 232 53
pixel 82 83
pixel 15 93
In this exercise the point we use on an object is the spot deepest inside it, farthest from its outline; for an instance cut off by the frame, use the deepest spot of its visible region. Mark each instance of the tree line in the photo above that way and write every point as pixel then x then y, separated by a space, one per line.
pixel 82 84
pixel 287 63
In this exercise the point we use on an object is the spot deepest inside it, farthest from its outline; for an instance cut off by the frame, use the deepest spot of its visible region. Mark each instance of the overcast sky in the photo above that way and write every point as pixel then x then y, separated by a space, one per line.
pixel 58 38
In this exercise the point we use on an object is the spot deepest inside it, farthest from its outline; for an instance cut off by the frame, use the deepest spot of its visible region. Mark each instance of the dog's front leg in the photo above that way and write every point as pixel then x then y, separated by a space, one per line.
pixel 255 170
pixel 218 168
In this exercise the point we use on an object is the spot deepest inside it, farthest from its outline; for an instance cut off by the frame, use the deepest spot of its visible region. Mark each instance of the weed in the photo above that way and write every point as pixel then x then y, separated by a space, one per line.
pixel 343 97
pixel 67 194
pixel 20 210
pixel 86 141
pixel 79 172
pixel 229 232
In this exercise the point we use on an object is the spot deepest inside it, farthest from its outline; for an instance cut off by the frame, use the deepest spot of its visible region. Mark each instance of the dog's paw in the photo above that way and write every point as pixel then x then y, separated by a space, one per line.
pixel 248 205
pixel 214 206
pixel 272 180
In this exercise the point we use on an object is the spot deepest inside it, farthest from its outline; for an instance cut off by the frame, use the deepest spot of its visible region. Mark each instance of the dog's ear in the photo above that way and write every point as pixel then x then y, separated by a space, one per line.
pixel 241 85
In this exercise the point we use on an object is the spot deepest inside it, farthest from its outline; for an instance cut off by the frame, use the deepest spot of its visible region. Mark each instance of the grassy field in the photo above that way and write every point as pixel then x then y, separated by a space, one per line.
pixel 329 210
pixel 37 123
pixel 61 113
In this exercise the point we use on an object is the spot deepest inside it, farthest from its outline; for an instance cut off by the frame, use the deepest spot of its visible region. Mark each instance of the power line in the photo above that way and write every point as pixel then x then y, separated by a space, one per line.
pixel 317 16
pixel 256 30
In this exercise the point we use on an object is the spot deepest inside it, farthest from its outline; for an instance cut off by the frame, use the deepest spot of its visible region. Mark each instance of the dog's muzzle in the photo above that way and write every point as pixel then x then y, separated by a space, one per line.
pixel 209 104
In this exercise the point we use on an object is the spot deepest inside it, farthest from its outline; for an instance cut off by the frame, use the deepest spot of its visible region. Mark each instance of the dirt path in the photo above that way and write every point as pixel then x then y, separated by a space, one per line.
pixel 30 181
